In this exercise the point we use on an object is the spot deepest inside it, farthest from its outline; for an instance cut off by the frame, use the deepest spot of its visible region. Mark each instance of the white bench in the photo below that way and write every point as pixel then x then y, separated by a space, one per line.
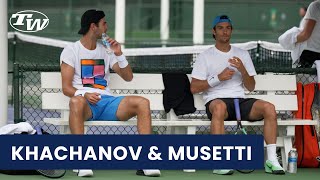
pixel 267 85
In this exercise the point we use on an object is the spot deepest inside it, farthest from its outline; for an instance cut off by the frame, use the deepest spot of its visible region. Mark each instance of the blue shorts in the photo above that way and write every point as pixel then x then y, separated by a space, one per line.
pixel 106 108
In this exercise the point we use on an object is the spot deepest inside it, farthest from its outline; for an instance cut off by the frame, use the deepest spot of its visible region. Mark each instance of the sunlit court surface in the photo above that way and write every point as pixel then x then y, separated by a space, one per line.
pixel 144 48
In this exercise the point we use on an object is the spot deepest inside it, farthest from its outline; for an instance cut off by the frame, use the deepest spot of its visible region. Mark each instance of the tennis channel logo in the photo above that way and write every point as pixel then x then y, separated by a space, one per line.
pixel 29 21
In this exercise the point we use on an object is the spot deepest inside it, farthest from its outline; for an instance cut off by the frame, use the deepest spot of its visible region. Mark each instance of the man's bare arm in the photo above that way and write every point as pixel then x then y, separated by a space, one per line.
pixel 202 85
pixel 122 68
pixel 248 81
pixel 307 30
pixel 124 73
pixel 67 73
pixel 197 85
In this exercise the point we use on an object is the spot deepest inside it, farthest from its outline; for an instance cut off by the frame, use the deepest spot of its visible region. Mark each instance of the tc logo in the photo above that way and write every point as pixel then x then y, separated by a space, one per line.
pixel 29 21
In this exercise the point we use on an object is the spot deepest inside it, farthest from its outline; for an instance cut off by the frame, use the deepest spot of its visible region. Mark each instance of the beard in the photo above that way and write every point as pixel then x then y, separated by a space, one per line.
pixel 224 39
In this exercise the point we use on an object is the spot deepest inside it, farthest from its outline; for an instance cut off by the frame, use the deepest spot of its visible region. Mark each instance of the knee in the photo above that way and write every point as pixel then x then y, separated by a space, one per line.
pixel 219 109
pixel 269 110
pixel 143 103
pixel 77 102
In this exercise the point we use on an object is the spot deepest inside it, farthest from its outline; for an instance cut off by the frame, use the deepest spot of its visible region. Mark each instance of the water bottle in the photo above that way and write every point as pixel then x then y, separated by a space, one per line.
pixel 292 161
pixel 106 43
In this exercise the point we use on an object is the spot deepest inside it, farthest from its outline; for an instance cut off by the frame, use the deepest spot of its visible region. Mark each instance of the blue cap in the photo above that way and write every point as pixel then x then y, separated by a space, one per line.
pixel 219 19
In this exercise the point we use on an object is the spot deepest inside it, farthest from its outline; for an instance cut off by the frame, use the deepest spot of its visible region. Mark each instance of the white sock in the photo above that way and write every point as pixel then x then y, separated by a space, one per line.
pixel 271 151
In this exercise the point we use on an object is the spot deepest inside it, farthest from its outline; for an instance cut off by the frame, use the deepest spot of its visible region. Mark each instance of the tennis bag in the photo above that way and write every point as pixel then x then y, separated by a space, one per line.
pixel 306 141
pixel 23 172
pixel 19 172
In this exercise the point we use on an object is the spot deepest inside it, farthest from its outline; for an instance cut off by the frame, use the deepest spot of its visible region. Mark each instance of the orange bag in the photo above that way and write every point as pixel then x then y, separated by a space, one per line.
pixel 306 140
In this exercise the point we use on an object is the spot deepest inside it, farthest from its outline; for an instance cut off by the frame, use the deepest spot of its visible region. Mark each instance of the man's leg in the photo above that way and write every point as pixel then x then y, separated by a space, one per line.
pixel 262 109
pixel 266 110
pixel 218 109
pixel 131 106
pixel 79 113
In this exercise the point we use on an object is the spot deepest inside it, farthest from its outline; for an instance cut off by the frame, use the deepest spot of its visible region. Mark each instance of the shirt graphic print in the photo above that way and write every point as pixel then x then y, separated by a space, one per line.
pixel 92 73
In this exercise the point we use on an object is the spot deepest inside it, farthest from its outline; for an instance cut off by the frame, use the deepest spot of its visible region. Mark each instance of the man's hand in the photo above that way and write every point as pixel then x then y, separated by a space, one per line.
pixel 248 80
pixel 237 63
pixel 115 46
pixel 93 98
pixel 226 74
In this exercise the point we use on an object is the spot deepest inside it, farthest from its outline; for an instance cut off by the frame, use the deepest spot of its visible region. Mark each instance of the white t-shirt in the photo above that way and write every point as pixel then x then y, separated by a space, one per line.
pixel 91 67
pixel 212 62
pixel 313 12
pixel 302 23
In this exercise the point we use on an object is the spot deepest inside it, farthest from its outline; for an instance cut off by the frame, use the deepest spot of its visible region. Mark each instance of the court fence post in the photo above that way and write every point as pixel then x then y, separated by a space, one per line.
pixel 16 93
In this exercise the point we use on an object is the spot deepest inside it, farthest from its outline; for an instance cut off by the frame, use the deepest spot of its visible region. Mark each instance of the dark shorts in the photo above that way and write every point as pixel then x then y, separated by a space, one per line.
pixel 307 58
pixel 245 108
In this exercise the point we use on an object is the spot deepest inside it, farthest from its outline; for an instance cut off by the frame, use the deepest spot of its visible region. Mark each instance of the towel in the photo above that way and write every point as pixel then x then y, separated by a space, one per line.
pixel 17 128
pixel 317 64
pixel 177 95
pixel 288 41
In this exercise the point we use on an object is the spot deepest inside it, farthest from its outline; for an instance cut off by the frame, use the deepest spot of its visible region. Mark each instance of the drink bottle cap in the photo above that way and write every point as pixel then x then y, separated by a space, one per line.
pixel 294 149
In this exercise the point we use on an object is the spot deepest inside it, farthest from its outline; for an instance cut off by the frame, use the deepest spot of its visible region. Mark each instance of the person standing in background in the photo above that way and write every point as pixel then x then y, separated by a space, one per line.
pixel 311 34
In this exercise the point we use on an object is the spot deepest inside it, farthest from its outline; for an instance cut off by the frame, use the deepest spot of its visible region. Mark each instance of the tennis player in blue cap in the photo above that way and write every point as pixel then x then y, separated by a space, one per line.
pixel 222 73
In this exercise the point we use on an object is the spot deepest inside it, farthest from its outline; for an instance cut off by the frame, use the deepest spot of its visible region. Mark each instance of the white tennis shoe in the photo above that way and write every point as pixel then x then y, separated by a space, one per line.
pixel 149 172
pixel 223 171
pixel 83 172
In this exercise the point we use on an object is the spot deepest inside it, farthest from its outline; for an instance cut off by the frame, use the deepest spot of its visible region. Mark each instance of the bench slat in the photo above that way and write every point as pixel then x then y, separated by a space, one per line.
pixel 139 81
pixel 197 122
pixel 271 82
pixel 268 82
pixel 52 80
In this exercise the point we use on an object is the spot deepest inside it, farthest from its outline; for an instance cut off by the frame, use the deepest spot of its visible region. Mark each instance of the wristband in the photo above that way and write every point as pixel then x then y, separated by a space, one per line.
pixel 213 80
pixel 122 61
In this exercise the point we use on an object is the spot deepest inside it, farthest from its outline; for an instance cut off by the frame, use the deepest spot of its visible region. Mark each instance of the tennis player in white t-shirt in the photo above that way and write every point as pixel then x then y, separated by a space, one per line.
pixel 85 79
pixel 222 73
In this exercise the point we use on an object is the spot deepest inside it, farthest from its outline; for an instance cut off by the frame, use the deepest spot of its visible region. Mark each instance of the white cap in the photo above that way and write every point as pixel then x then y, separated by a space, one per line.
pixel 294 149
